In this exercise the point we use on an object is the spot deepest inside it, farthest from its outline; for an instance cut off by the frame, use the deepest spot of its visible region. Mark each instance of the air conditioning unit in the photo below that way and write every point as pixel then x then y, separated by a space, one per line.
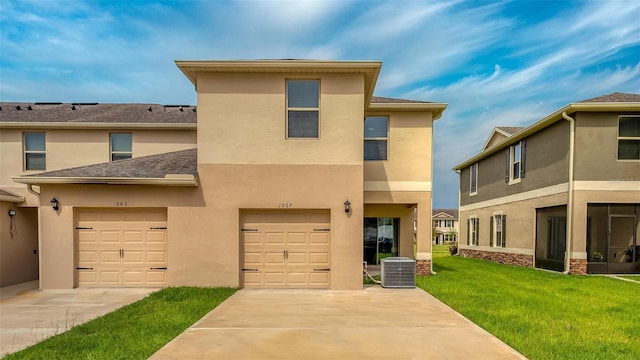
pixel 398 272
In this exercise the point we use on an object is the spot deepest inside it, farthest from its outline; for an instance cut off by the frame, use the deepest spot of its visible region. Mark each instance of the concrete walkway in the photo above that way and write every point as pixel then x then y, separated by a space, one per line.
pixel 374 323
pixel 28 316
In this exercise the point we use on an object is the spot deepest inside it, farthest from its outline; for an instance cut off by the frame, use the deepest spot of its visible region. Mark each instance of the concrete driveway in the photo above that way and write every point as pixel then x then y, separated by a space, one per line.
pixel 374 323
pixel 28 316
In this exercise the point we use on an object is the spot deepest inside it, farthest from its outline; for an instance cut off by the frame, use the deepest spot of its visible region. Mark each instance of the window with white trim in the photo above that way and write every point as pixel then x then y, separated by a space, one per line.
pixel 498 231
pixel 376 135
pixel 121 146
pixel 473 226
pixel 34 148
pixel 629 138
pixel 303 109
pixel 473 181
pixel 515 162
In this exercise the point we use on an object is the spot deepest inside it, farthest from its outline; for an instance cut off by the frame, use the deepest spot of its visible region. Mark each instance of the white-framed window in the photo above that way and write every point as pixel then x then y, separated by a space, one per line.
pixel 448 223
pixel 121 146
pixel 376 136
pixel 498 230
pixel 629 138
pixel 34 149
pixel 473 179
pixel 473 230
pixel 303 109
pixel 515 162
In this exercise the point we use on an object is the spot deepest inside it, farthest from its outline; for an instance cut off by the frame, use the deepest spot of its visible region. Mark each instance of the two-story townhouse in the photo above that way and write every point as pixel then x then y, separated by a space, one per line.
pixel 445 226
pixel 292 158
pixel 567 186
pixel 37 137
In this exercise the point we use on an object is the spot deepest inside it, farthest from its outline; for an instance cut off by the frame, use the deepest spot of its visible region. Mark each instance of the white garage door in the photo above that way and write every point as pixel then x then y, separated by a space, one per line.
pixel 286 249
pixel 121 248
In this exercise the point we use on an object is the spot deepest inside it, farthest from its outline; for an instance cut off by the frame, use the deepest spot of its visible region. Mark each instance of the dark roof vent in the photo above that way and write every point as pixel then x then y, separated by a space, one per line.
pixel 194 109
pixel 18 107
pixel 29 107
pixel 181 109
pixel 73 107
pixel 149 109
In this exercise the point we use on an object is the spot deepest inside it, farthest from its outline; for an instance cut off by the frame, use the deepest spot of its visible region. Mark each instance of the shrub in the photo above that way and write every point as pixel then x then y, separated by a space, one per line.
pixel 453 249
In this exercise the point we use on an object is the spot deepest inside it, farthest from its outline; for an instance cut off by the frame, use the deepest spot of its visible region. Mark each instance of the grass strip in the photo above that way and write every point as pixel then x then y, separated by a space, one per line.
pixel 542 315
pixel 135 331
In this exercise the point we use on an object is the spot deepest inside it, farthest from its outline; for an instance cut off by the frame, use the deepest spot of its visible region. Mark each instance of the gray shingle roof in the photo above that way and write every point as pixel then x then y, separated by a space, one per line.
pixel 386 100
pixel 510 129
pixel 615 97
pixel 451 212
pixel 97 113
pixel 152 167
pixel 4 192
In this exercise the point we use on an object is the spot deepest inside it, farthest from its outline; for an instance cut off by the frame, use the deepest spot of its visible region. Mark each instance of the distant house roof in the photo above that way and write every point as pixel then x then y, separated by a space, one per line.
pixel 499 134
pixel 8 196
pixel 445 213
pixel 615 97
pixel 174 168
pixel 606 103
pixel 81 114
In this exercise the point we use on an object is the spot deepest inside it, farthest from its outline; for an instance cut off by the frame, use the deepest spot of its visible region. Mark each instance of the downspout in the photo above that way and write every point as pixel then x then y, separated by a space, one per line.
pixel 569 235
pixel 431 210
pixel 37 194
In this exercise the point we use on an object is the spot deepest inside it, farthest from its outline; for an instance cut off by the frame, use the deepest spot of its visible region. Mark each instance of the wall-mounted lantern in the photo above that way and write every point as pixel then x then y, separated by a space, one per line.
pixel 347 206
pixel 55 204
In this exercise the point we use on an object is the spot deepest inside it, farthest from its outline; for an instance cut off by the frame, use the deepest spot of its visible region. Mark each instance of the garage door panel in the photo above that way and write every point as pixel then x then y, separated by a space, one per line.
pixel 121 247
pixel 133 236
pixel 280 246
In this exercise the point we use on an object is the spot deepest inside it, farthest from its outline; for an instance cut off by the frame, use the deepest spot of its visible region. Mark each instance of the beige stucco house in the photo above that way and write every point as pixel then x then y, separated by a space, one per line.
pixel 269 190
pixel 561 194
pixel 446 226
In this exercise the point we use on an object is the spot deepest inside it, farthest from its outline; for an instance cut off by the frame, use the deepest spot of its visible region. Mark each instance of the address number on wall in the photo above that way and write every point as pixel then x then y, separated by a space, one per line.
pixel 121 203
pixel 285 205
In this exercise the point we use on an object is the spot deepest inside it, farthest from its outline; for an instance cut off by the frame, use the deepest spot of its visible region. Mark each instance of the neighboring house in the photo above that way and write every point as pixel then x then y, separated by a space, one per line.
pixel 292 157
pixel 445 225
pixel 37 137
pixel 561 194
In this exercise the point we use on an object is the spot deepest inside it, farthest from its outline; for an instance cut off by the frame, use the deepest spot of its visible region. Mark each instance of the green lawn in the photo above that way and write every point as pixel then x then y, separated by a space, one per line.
pixel 440 250
pixel 134 331
pixel 631 277
pixel 543 315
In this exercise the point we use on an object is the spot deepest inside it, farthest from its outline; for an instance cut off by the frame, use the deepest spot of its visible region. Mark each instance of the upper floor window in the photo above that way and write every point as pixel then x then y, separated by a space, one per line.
pixel 448 223
pixel 629 138
pixel 515 162
pixel 121 146
pixel 473 181
pixel 303 108
pixel 376 134
pixel 473 227
pixel 498 231
pixel 35 156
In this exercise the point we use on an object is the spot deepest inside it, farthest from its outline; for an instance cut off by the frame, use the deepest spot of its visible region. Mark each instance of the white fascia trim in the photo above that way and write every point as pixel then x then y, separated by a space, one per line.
pixel 13 199
pixel 518 251
pixel 527 195
pixel 397 186
pixel 170 180
pixel 97 125
pixel 606 185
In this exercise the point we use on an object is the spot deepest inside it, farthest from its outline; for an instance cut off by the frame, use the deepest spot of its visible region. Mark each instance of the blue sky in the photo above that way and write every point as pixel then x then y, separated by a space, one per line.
pixel 497 63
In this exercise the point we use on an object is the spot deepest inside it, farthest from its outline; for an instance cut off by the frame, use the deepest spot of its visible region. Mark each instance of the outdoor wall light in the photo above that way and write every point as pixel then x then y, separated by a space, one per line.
pixel 54 204
pixel 347 206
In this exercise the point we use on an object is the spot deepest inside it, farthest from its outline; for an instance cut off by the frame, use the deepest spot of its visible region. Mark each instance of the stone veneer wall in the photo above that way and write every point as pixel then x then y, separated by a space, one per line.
pixel 423 267
pixel 501 257
pixel 578 266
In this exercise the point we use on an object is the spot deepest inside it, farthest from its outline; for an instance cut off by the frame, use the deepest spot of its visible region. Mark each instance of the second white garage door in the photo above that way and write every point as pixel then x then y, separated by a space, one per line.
pixel 286 249
pixel 121 248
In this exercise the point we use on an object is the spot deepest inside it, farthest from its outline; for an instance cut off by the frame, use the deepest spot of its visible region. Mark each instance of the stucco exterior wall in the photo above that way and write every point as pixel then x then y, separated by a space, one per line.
pixel 66 148
pixel 18 244
pixel 596 157
pixel 242 120
pixel 547 164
